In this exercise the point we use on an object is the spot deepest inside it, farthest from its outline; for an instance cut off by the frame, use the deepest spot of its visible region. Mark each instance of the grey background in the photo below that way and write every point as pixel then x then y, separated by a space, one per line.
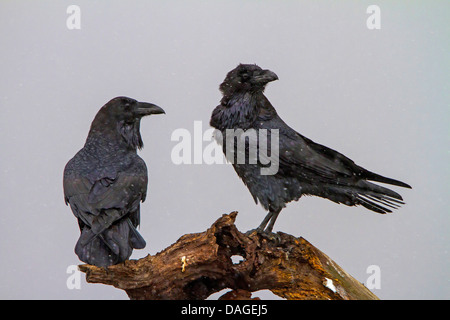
pixel 380 97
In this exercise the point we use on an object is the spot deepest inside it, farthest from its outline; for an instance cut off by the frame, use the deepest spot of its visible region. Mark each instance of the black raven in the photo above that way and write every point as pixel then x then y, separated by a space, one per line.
pixel 105 182
pixel 304 167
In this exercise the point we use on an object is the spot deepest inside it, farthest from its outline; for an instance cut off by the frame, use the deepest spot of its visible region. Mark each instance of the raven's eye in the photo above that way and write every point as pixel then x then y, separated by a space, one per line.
pixel 127 106
pixel 245 76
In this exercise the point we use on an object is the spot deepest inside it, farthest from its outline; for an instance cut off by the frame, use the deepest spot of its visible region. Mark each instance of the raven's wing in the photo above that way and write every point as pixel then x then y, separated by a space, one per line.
pixel 314 162
pixel 105 198
pixel 301 157
pixel 328 173
pixel 123 194
pixel 99 203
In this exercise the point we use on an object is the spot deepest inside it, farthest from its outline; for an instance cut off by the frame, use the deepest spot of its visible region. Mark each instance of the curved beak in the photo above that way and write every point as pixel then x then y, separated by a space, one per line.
pixel 265 76
pixel 145 109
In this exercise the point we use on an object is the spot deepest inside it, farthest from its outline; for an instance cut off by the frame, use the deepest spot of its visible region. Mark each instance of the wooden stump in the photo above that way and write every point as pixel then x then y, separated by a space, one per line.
pixel 200 264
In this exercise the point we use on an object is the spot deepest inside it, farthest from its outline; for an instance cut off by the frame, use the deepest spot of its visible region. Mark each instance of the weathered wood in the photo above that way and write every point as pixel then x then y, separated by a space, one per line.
pixel 200 264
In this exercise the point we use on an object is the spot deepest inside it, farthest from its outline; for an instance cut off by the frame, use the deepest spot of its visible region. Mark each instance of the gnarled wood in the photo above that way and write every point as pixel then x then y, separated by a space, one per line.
pixel 200 264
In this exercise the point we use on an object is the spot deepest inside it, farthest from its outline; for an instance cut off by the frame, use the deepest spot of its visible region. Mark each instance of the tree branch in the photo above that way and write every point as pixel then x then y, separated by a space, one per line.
pixel 200 264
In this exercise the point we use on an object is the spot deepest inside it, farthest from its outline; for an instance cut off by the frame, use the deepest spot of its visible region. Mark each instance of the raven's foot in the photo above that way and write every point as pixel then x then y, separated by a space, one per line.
pixel 268 235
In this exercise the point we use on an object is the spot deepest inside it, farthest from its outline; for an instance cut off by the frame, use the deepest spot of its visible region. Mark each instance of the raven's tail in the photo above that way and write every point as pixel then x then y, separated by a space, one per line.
pixel 112 246
pixel 372 196
pixel 377 198
pixel 368 175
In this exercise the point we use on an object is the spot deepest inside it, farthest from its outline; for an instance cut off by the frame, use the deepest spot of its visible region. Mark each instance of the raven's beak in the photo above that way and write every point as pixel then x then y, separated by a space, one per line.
pixel 145 109
pixel 265 76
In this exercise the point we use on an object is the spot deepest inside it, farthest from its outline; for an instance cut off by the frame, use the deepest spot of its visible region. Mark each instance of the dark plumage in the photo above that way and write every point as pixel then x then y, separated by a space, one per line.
pixel 305 167
pixel 105 182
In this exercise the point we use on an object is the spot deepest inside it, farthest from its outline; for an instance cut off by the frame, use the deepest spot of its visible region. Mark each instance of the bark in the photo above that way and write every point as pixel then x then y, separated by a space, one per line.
pixel 200 264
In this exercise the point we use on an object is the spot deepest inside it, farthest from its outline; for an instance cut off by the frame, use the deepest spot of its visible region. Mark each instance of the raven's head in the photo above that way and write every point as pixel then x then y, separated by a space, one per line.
pixel 129 110
pixel 124 115
pixel 246 78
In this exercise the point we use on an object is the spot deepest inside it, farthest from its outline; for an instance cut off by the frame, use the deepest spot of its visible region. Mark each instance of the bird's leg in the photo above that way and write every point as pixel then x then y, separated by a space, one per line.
pixel 261 227
pixel 263 224
pixel 266 232
pixel 273 218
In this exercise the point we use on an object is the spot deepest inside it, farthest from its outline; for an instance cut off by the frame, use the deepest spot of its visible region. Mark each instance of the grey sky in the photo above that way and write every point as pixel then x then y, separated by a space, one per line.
pixel 381 97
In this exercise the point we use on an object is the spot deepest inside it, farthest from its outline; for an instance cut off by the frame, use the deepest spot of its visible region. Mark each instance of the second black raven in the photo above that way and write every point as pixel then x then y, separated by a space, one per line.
pixel 105 182
pixel 304 167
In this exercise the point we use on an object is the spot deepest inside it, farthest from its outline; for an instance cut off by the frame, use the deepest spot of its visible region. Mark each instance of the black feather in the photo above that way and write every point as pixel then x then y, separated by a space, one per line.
pixel 105 182
pixel 305 167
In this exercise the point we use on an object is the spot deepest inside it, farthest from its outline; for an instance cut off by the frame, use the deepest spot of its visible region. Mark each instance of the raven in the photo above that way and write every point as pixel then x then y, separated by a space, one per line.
pixel 105 182
pixel 304 167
